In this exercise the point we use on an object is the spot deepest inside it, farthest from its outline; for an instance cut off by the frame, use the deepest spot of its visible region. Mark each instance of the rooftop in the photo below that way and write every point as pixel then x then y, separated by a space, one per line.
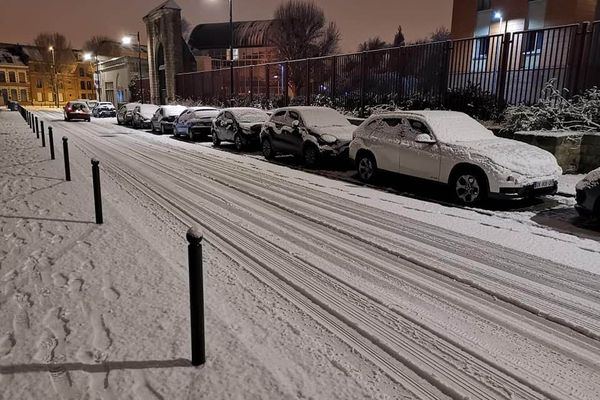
pixel 245 34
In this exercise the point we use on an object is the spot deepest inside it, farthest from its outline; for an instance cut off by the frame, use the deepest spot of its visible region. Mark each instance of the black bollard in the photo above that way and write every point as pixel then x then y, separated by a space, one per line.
pixel 51 140
pixel 43 134
pixel 37 128
pixel 66 154
pixel 194 237
pixel 97 193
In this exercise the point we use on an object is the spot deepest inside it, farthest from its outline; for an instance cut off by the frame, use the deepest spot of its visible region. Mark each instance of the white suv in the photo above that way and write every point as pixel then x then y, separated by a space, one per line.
pixel 453 148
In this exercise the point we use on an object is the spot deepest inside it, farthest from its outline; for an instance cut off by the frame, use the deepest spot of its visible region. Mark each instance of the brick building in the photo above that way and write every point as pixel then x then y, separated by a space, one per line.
pixel 487 17
pixel 14 79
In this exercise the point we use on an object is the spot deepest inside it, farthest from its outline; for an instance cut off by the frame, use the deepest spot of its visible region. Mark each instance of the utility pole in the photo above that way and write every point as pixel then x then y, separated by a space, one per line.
pixel 231 46
pixel 51 48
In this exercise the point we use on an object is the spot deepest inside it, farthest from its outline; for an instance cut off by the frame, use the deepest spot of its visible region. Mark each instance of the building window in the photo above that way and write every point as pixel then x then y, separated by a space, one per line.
pixel 81 72
pixel 24 95
pixel 83 95
pixel 38 83
pixel 12 77
pixel 2 76
pixel 483 5
pixel 22 77
pixel 88 85
pixel 13 94
pixel 534 42
pixel 82 85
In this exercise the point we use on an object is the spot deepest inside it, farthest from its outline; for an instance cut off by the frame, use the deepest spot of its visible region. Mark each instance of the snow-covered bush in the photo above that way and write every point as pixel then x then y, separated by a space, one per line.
pixel 555 111
pixel 474 101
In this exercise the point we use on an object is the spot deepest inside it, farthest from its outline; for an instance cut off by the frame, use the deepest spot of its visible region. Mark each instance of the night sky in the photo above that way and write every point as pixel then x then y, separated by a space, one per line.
pixel 21 20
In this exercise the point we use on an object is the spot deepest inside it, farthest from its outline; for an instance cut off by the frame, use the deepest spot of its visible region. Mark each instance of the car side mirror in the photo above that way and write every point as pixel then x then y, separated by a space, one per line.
pixel 425 138
pixel 296 124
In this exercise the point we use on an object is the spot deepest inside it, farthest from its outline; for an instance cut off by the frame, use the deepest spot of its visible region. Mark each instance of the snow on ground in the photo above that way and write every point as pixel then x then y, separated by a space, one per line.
pixel 315 288
pixel 567 183
pixel 100 311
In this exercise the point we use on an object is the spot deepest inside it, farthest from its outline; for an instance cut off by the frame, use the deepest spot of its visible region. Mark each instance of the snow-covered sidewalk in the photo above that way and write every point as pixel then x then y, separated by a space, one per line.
pixel 101 311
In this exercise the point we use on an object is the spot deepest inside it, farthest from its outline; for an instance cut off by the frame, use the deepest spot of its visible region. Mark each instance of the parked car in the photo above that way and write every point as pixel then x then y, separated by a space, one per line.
pixel 588 195
pixel 142 114
pixel 104 109
pixel 307 132
pixel 125 113
pixel 163 118
pixel 240 125
pixel 90 103
pixel 13 105
pixel 77 110
pixel 454 149
pixel 195 121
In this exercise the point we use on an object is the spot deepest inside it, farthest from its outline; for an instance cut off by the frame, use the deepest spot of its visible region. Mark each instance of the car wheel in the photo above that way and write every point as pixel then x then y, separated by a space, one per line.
pixel 239 142
pixel 215 138
pixel 469 187
pixel 119 122
pixel 311 156
pixel 267 149
pixel 366 167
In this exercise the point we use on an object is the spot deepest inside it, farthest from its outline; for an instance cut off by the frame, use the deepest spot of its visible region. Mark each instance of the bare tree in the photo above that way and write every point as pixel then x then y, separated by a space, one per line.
pixel 441 34
pixel 103 46
pixel 63 55
pixel 373 44
pixel 399 40
pixel 301 31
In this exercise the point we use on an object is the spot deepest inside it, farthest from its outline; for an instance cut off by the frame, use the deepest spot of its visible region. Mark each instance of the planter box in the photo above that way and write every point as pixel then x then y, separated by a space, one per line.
pixel 565 145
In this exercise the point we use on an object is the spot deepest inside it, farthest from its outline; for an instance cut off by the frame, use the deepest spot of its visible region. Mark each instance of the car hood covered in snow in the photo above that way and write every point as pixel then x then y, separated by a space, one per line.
pixel 517 157
pixel 590 181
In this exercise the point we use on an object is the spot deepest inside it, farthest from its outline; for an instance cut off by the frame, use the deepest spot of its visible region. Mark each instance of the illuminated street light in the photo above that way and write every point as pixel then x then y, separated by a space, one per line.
pixel 126 40
pixel 87 56
pixel 498 15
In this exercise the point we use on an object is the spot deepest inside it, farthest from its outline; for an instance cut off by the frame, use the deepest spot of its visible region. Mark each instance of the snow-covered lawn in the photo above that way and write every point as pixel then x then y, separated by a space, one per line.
pixel 314 287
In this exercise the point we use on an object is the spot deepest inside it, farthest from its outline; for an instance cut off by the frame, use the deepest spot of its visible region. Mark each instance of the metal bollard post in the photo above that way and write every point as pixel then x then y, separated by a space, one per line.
pixel 43 134
pixel 97 193
pixel 51 140
pixel 194 237
pixel 66 154
pixel 37 128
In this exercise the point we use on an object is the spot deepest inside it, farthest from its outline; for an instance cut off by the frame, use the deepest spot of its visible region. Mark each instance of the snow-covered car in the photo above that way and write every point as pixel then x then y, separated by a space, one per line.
pixel 142 114
pixel 454 149
pixel 194 122
pixel 240 125
pixel 104 109
pixel 125 113
pixel 307 132
pixel 588 195
pixel 77 110
pixel 163 118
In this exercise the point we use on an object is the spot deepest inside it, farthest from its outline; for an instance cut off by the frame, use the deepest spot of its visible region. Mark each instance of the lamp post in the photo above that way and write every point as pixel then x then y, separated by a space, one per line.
pixel 231 45
pixel 127 41
pixel 499 17
pixel 88 57
pixel 51 49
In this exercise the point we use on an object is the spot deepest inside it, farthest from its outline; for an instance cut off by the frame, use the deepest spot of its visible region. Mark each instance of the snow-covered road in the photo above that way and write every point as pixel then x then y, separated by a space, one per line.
pixel 441 300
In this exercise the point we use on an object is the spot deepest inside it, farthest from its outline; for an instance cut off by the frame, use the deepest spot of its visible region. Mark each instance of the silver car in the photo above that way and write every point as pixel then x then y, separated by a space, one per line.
pixel 588 195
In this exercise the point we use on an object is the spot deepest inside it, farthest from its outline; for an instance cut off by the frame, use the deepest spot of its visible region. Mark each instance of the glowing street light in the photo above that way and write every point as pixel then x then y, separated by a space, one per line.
pixel 126 40
pixel 87 56
pixel 498 15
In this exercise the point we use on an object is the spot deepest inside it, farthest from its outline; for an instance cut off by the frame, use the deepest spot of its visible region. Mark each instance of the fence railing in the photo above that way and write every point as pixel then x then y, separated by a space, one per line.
pixel 513 67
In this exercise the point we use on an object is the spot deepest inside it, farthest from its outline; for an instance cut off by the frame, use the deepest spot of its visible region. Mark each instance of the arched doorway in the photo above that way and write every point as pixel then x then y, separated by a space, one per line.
pixel 160 67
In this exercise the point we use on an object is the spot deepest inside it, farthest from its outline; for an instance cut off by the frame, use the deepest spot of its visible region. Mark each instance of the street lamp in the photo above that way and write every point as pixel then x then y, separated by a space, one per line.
pixel 51 49
pixel 230 45
pixel 88 57
pixel 126 40
pixel 499 17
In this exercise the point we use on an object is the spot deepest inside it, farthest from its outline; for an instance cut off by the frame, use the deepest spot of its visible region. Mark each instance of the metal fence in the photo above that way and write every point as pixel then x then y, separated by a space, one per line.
pixel 512 68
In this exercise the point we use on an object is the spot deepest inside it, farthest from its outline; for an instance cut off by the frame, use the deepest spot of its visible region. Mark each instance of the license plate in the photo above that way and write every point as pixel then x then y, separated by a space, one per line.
pixel 543 184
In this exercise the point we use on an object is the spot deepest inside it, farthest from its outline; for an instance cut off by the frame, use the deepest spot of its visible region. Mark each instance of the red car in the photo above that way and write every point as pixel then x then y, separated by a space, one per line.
pixel 77 110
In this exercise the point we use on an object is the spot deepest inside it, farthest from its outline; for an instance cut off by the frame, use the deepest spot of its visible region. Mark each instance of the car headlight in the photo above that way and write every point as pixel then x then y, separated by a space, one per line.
pixel 329 139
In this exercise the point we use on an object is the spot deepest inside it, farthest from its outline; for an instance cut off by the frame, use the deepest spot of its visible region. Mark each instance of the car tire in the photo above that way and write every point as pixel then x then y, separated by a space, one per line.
pixel 469 187
pixel 267 149
pixel 119 122
pixel 215 138
pixel 366 166
pixel 239 142
pixel 310 155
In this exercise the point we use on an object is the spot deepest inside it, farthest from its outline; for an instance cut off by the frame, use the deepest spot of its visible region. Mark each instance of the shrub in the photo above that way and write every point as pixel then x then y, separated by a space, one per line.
pixel 474 101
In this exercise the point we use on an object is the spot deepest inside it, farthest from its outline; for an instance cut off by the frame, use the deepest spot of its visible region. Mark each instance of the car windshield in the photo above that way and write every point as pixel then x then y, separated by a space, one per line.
pixel 323 117
pixel 250 115
pixel 457 127
pixel 79 106
pixel 171 111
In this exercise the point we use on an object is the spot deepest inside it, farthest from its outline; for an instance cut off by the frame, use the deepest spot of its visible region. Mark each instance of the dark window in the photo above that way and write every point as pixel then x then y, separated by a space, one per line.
pixel 278 118
pixel 482 46
pixel 534 42
pixel 23 95
pixel 83 95
pixel 13 94
pixel 2 76
pixel 38 83
pixel 22 77
pixel 88 85
pixel 392 122
pixel 82 85
pixel 81 72
pixel 418 126
pixel 12 77
pixel 294 116
pixel 483 5
pixel 8 59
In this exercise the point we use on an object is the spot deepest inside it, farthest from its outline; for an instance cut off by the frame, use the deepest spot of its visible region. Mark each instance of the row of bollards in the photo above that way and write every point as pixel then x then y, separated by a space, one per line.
pixel 194 237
